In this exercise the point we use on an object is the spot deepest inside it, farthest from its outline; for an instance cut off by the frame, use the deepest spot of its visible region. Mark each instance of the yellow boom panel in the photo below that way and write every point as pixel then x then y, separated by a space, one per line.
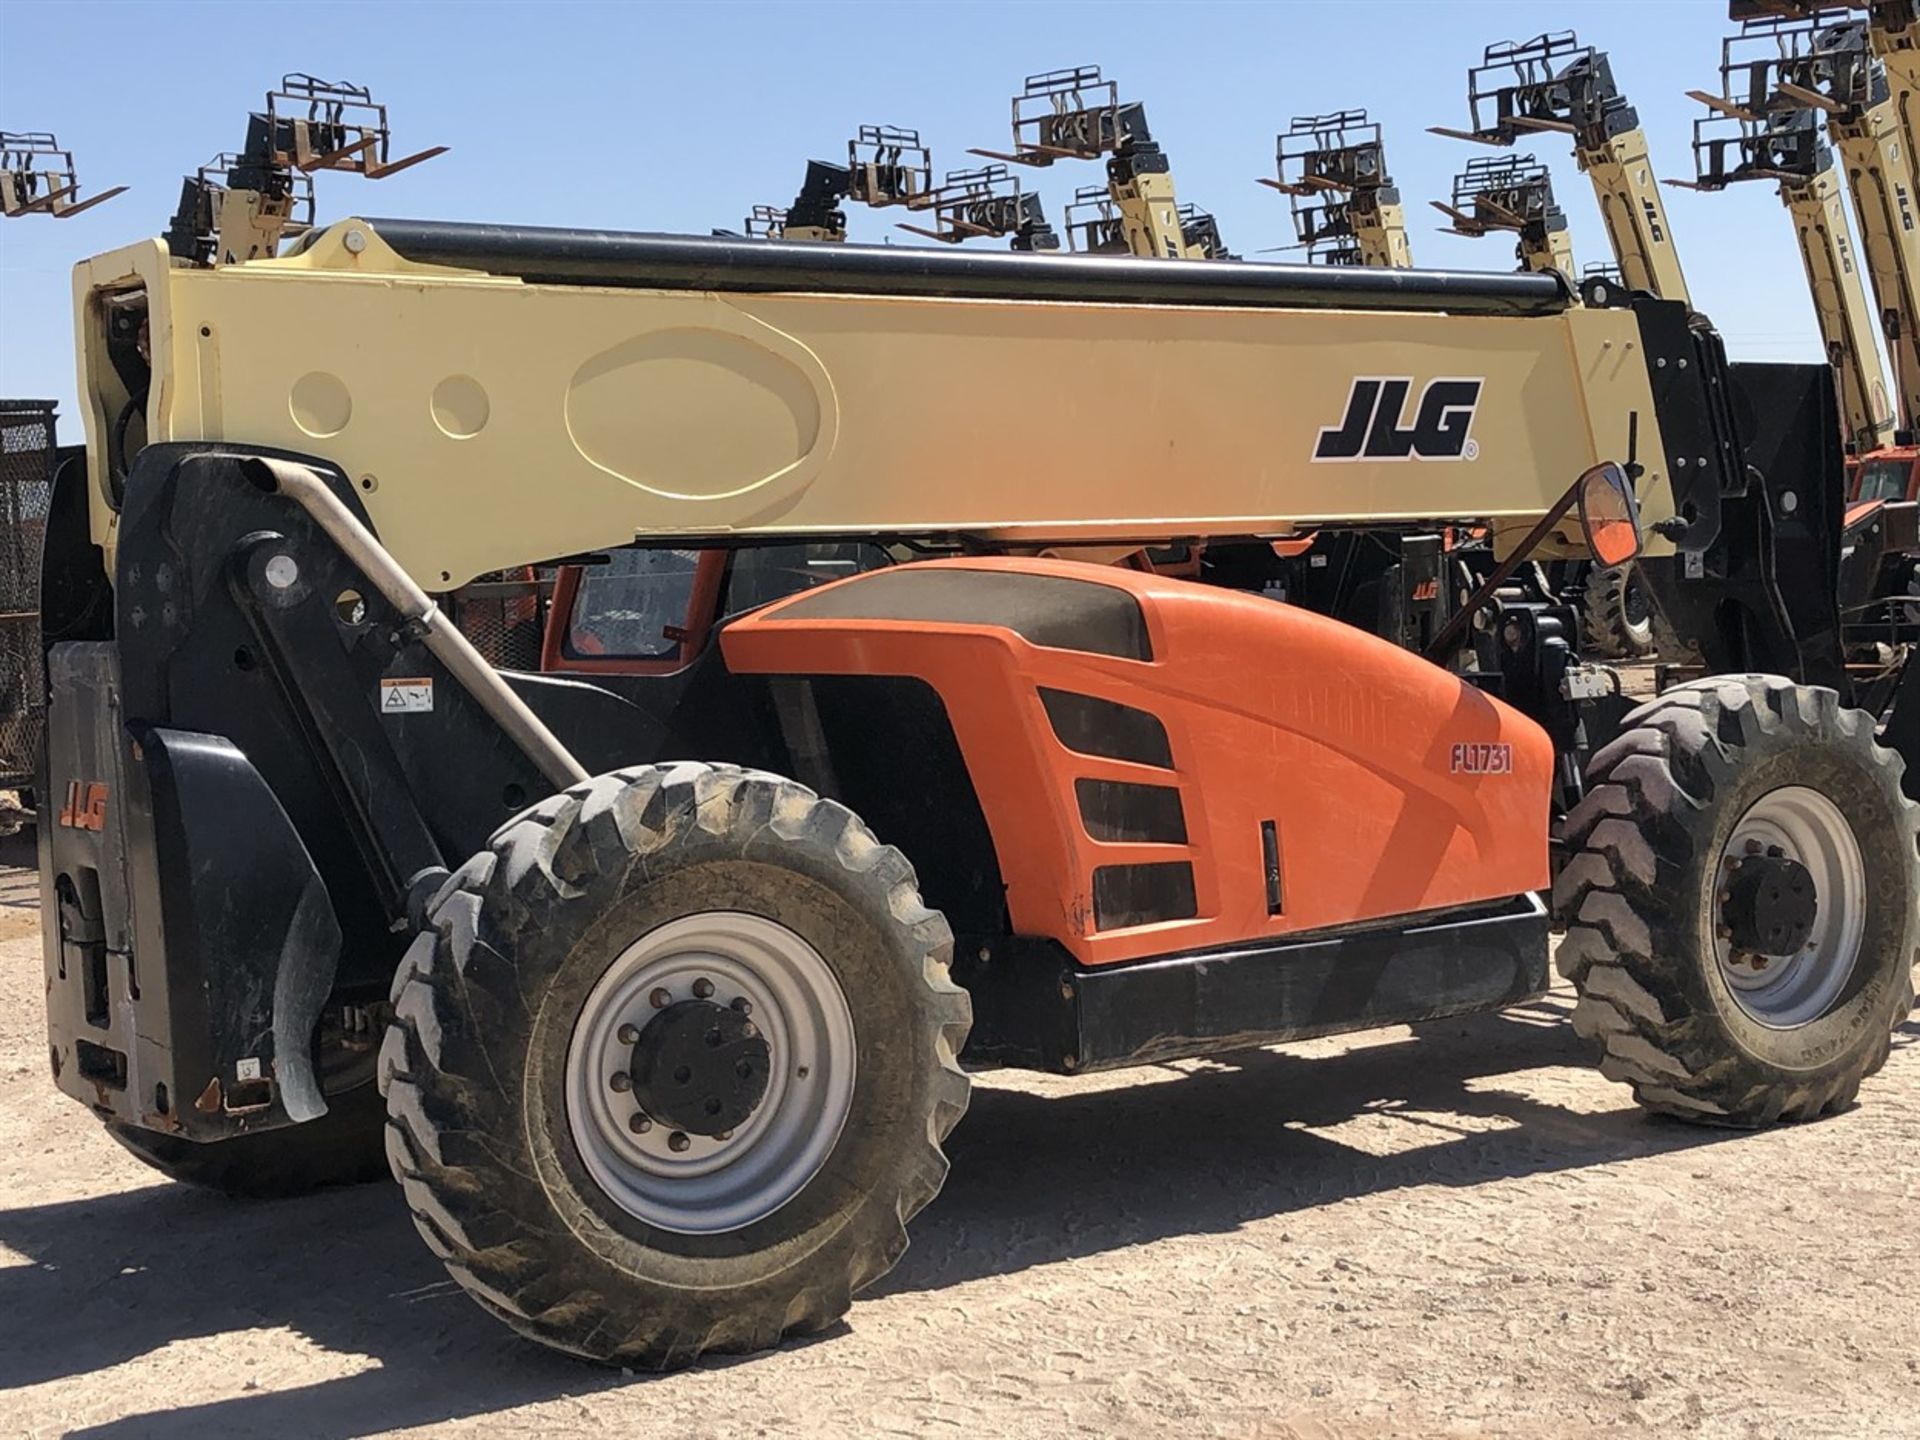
pixel 491 420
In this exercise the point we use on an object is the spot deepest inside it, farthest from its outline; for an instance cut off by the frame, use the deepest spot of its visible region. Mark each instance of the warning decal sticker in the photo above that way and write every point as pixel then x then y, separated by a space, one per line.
pixel 406 697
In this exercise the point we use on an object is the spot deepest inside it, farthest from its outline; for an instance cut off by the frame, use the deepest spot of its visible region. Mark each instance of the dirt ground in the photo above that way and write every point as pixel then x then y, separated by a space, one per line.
pixel 1457 1231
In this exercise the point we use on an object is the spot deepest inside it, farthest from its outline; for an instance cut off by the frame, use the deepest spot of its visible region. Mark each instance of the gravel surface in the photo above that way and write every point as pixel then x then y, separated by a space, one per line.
pixel 1458 1230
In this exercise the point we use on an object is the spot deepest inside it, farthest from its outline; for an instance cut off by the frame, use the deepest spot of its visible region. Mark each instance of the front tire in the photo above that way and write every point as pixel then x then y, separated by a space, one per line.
pixel 1714 990
pixel 552 1118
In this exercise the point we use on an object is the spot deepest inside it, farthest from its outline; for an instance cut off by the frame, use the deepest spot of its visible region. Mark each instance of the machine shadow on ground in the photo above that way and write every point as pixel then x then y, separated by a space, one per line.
pixel 1036 1180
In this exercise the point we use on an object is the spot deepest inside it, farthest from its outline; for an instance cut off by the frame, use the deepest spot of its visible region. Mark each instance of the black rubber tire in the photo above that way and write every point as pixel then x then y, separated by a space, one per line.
pixel 1609 628
pixel 1637 898
pixel 474 1064
pixel 345 1146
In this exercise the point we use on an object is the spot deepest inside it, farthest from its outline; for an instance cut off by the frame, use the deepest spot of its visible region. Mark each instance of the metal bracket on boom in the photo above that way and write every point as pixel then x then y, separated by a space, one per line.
pixel 307 125
pixel 1346 208
pixel 37 177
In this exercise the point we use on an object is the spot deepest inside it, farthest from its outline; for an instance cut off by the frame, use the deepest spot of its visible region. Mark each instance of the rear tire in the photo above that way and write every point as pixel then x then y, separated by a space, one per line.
pixel 549 1201
pixel 1616 615
pixel 342 1147
pixel 1700 779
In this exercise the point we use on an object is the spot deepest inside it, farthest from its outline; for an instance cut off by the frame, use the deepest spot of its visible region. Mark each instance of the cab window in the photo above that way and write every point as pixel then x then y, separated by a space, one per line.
pixel 634 607
pixel 1885 479
pixel 766 573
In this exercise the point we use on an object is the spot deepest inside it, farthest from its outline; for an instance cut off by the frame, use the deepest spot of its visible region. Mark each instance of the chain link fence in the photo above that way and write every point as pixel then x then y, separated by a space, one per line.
pixel 27 459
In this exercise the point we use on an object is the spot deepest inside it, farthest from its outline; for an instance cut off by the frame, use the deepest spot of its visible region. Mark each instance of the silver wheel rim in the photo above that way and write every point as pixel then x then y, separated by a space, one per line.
pixel 714 1184
pixel 1786 992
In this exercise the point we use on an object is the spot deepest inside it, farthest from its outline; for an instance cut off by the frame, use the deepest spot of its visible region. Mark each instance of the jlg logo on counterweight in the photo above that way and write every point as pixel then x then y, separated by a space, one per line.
pixel 1374 426
pixel 86 807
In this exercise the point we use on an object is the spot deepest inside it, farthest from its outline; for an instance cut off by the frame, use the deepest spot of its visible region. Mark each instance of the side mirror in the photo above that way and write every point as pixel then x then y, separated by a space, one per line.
pixel 1610 515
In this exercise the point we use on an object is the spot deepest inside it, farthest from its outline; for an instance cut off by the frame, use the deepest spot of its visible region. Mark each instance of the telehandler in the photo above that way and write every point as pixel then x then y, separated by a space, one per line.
pixel 1787 148
pixel 1861 73
pixel 1076 114
pixel 37 178
pixel 1346 208
pixel 657 981
pixel 986 202
pixel 1823 49
pixel 1778 77
pixel 1554 84
pixel 1500 194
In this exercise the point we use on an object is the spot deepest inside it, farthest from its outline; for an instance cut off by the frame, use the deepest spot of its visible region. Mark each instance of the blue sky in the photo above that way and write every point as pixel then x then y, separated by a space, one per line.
pixel 682 116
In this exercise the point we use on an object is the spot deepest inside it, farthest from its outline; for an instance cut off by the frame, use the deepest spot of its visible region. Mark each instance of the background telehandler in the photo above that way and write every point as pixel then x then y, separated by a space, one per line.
pixel 1512 195
pixel 656 979
pixel 1076 114
pixel 1859 71
pixel 1346 208
pixel 1554 84
pixel 37 177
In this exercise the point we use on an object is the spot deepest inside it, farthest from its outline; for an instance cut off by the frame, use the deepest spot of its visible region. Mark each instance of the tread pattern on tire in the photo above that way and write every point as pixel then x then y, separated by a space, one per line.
pixel 433 1070
pixel 1638 1000
pixel 1605 629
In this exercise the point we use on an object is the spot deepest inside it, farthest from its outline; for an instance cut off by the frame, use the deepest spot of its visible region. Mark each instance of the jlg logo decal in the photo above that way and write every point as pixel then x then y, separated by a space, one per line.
pixel 86 807
pixel 1482 760
pixel 1376 407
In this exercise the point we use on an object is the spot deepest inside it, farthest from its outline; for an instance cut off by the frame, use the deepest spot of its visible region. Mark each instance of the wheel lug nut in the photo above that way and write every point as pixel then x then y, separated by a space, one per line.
pixel 702 988
pixel 620 1081
pixel 743 1005
pixel 724 1135
pixel 678 1142
pixel 660 999
pixel 1754 847
pixel 628 1035
pixel 748 1030
pixel 639 1124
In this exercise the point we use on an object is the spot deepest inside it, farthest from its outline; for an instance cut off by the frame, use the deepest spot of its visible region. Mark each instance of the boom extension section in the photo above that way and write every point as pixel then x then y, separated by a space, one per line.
pixel 1786 146
pixel 1554 83
pixel 1346 208
pixel 1512 193
pixel 37 178
pixel 239 207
